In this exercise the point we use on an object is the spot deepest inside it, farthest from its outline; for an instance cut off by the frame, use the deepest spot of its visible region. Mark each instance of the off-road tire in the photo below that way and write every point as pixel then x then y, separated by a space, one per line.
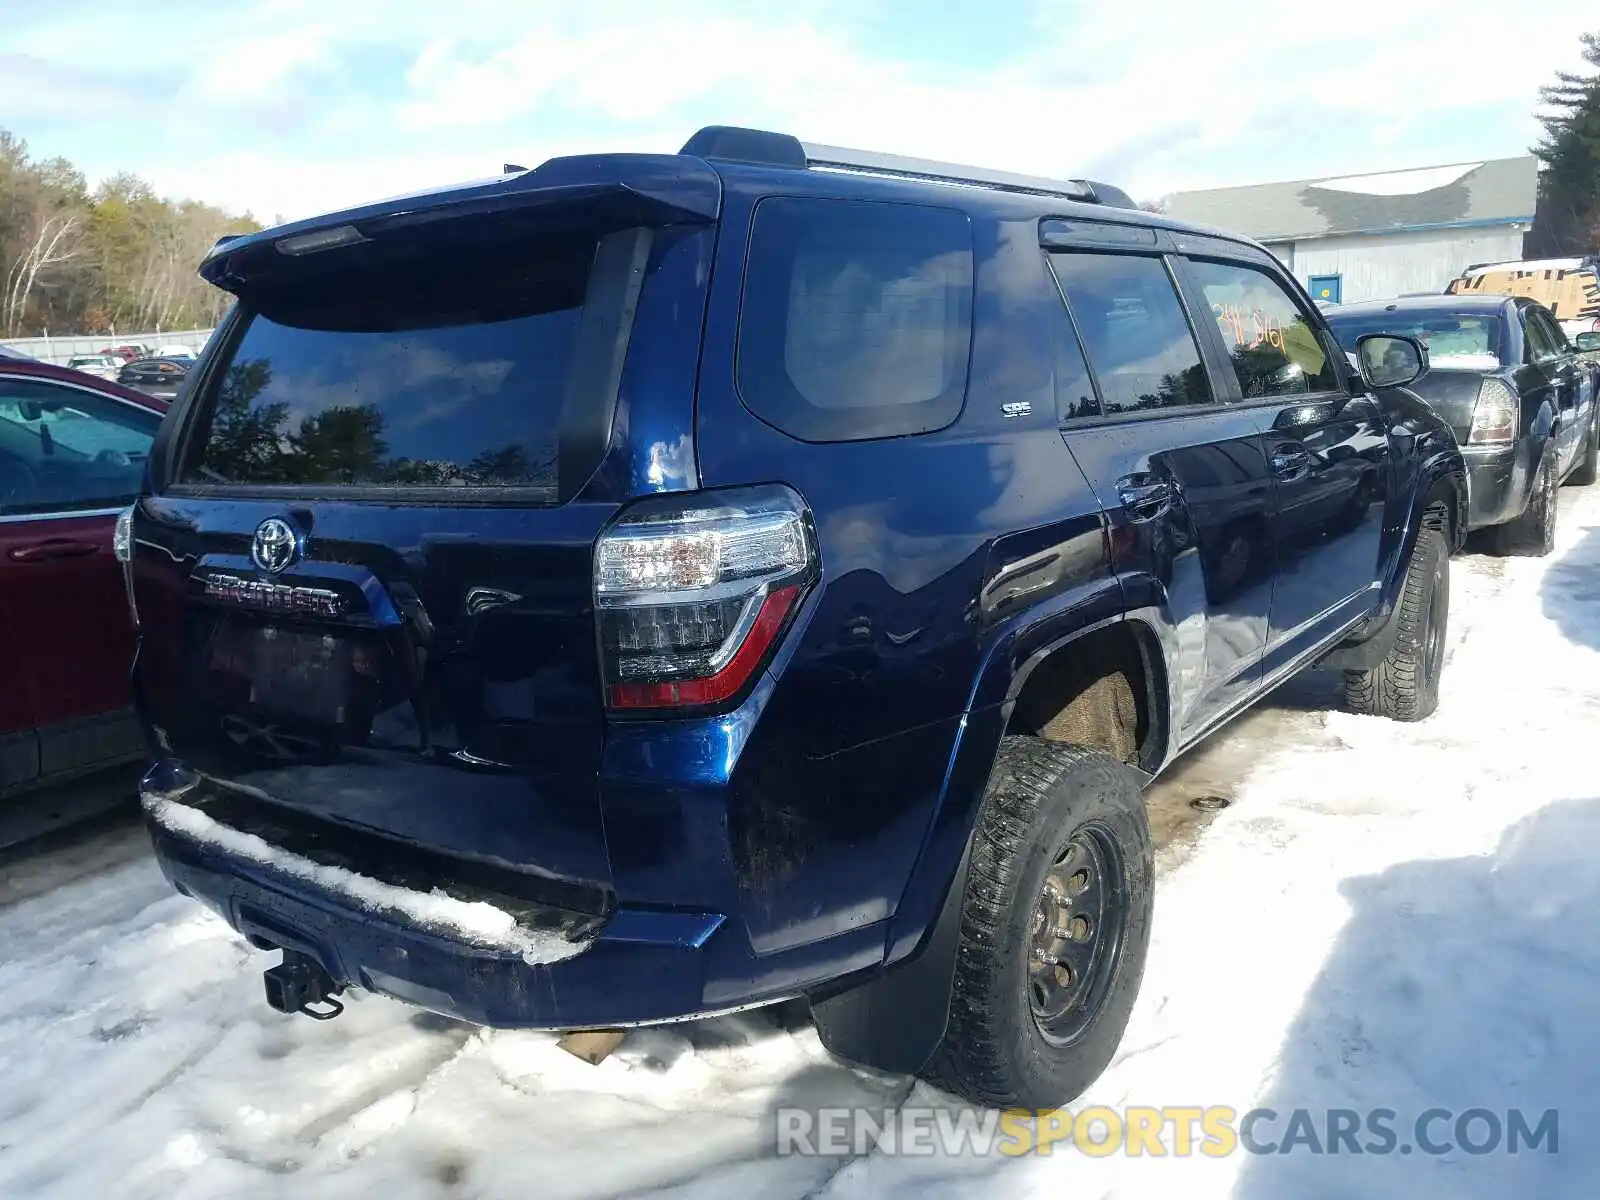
pixel 1404 686
pixel 1533 534
pixel 1588 470
pixel 1040 795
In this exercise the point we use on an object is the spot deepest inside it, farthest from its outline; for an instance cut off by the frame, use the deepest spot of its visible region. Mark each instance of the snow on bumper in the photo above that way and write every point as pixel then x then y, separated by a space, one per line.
pixel 476 922
pixel 384 930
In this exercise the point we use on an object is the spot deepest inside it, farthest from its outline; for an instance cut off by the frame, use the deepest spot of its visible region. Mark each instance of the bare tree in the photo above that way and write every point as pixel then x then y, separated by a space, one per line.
pixel 54 244
pixel 119 257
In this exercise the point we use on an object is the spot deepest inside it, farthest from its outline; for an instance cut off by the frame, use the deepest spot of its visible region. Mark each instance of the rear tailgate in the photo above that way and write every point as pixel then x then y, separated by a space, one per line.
pixel 365 579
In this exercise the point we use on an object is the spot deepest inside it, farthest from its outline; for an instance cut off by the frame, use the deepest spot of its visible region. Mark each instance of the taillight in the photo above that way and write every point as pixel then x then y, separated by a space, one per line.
pixel 1494 416
pixel 122 537
pixel 122 551
pixel 693 591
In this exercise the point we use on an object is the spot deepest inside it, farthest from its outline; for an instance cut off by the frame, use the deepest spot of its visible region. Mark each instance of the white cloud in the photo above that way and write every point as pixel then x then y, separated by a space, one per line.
pixel 1091 84
pixel 296 119
pixel 257 68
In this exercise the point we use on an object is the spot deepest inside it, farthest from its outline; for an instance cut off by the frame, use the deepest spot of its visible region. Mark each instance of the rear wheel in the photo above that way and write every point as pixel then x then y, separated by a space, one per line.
pixel 1054 929
pixel 1405 685
pixel 1533 534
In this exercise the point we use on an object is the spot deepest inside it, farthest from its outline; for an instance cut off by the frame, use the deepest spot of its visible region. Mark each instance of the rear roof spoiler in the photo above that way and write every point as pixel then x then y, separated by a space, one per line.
pixel 656 187
pixel 649 188
pixel 731 143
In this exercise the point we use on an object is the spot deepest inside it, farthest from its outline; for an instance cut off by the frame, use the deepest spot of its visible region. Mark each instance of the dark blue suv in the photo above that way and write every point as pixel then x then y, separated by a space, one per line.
pixel 650 586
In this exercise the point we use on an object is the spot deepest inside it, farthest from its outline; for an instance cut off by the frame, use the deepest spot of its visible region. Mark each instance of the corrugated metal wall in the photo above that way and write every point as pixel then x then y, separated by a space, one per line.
pixel 1378 266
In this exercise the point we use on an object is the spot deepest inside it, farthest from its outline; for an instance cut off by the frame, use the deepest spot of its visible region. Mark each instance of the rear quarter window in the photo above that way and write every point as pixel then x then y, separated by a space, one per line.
pixel 856 318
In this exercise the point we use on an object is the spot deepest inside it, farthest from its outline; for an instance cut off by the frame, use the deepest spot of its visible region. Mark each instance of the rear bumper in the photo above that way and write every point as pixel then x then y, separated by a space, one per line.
pixel 1498 482
pixel 637 966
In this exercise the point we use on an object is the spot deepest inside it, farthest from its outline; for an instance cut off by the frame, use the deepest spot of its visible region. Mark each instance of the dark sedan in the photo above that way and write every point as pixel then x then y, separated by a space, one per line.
pixel 158 377
pixel 72 455
pixel 1520 398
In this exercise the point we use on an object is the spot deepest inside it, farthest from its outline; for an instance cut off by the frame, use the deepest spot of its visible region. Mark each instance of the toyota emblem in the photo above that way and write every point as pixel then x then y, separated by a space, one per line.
pixel 277 545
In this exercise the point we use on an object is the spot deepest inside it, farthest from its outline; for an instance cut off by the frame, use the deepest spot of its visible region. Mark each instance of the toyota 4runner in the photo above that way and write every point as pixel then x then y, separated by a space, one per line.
pixel 649 586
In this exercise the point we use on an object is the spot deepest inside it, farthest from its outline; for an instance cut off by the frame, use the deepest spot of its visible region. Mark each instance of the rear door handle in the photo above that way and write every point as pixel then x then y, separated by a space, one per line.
pixel 1143 497
pixel 52 550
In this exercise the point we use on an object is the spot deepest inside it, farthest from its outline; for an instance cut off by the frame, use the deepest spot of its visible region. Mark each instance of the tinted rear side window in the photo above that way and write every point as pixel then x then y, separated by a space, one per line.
pixel 1138 339
pixel 856 320
pixel 444 372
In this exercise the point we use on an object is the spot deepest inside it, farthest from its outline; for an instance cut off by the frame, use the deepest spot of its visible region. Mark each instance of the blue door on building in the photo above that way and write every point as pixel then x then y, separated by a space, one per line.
pixel 1326 289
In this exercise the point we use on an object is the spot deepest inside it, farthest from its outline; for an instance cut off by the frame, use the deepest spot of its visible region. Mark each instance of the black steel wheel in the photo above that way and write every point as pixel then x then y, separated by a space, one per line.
pixel 1055 926
pixel 1078 922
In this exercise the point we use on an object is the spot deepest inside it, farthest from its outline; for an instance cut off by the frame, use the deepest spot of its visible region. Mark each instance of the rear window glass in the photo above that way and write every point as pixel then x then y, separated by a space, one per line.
pixel 1455 341
pixel 857 318
pixel 446 372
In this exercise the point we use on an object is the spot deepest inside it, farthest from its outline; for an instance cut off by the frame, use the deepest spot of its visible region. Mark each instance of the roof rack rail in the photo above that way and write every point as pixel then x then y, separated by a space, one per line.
pixel 758 146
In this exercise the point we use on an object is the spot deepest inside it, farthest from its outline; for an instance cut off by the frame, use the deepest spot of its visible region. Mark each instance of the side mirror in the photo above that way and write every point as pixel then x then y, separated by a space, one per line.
pixel 1586 342
pixel 1391 360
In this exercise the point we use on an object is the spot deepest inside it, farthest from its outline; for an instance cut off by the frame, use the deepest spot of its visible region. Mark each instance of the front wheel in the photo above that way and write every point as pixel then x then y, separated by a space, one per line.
pixel 1404 686
pixel 1055 926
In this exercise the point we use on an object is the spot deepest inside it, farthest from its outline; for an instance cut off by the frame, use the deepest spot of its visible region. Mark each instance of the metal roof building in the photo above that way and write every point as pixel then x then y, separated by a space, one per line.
pixel 1369 237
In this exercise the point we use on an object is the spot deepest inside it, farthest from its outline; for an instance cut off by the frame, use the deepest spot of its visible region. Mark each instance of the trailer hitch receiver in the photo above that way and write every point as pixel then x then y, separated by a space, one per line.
pixel 299 985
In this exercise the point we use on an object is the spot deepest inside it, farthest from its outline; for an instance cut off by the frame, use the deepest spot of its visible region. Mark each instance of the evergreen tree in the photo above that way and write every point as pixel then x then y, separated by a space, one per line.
pixel 1569 183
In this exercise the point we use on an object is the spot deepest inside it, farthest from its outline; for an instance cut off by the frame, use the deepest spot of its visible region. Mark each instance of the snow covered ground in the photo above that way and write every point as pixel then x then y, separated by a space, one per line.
pixel 1386 917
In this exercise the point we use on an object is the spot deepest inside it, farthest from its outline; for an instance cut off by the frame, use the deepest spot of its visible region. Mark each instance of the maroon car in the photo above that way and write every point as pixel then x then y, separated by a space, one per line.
pixel 72 455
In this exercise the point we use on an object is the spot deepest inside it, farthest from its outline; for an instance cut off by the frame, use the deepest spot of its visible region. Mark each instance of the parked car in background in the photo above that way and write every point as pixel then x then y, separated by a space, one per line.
pixel 1588 346
pixel 72 452
pixel 1521 400
pixel 804 627
pixel 1568 287
pixel 101 366
pixel 176 352
pixel 158 377
pixel 128 353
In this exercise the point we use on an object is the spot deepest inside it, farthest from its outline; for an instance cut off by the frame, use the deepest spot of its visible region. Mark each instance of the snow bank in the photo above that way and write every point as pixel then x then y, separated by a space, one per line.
pixel 478 921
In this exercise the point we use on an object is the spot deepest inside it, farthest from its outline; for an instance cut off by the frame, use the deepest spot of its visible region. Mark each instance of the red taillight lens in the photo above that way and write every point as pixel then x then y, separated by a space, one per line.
pixel 692 592
pixel 715 688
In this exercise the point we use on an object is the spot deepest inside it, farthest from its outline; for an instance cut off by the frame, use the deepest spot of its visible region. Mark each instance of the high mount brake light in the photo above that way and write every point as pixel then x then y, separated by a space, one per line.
pixel 692 592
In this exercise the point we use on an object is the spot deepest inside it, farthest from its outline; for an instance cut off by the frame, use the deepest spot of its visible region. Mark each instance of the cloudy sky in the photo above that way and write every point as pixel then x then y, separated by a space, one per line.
pixel 289 107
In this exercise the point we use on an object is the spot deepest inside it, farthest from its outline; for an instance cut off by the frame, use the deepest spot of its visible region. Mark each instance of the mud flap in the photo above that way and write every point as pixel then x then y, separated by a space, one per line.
pixel 1364 655
pixel 895 1021
pixel 1374 644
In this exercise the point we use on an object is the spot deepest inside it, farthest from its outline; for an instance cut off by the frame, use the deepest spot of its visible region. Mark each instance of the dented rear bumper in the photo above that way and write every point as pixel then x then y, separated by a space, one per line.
pixel 524 964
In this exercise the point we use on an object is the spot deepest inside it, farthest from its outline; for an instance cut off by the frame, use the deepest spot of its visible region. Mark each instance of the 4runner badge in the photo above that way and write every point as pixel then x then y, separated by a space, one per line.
pixel 276 545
